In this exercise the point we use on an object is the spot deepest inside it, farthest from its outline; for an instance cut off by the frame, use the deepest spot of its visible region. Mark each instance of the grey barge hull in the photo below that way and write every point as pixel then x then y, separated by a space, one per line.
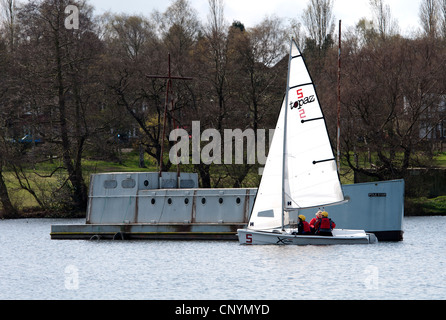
pixel 144 206
pixel 146 232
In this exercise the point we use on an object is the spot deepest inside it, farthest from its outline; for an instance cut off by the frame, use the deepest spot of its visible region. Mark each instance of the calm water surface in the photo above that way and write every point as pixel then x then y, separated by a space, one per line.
pixel 32 266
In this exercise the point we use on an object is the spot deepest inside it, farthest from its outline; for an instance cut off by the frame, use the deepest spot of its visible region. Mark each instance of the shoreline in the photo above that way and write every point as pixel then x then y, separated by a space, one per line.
pixel 54 215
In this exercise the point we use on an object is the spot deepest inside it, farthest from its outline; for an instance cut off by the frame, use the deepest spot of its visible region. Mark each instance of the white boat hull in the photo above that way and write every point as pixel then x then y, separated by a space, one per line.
pixel 340 236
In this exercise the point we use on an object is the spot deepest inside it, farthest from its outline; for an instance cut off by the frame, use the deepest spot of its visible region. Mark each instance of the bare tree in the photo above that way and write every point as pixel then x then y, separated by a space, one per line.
pixel 386 24
pixel 133 52
pixel 391 90
pixel 8 21
pixel 216 18
pixel 297 33
pixel 319 20
pixel 212 84
pixel 213 49
pixel 264 49
pixel 256 78
pixel 59 82
pixel 9 211
pixel 429 17
pixel 442 18
pixel 179 30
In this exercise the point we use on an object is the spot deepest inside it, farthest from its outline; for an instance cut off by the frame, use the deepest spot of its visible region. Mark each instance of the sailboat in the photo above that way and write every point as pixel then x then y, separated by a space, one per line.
pixel 300 171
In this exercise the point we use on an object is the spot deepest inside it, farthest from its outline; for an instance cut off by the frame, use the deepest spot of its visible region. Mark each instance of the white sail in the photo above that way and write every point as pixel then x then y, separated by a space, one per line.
pixel 267 210
pixel 305 162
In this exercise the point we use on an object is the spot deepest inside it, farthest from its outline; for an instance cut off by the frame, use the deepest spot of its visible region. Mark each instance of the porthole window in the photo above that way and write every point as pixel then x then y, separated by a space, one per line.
pixel 238 200
pixel 186 201
pixel 169 201
pixel 110 184
pixel 153 201
pixel 203 200
pixel 128 183
pixel 220 201
pixel 146 183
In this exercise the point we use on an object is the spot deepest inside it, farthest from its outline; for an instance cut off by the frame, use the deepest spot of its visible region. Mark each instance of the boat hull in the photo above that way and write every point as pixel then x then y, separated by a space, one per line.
pixel 277 237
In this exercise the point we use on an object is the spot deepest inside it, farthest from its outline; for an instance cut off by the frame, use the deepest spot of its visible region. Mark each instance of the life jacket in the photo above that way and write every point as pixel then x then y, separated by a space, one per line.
pixel 313 222
pixel 324 225
pixel 307 228
pixel 304 228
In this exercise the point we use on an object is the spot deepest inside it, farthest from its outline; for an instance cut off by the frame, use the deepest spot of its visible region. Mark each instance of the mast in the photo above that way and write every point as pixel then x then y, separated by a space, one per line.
pixel 285 136
pixel 339 104
pixel 169 79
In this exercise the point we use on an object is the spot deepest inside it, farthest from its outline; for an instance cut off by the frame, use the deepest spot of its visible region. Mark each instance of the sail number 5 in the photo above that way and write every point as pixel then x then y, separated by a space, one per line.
pixel 300 94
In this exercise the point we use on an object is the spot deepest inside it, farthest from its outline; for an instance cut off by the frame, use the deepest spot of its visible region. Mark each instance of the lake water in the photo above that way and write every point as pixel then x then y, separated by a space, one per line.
pixel 32 266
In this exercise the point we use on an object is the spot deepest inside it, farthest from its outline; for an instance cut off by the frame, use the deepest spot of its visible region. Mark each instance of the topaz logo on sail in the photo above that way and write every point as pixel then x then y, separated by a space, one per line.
pixel 302 100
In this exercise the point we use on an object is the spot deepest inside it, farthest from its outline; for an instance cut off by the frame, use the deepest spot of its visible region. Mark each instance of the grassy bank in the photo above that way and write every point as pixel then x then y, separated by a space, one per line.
pixel 440 160
pixel 425 206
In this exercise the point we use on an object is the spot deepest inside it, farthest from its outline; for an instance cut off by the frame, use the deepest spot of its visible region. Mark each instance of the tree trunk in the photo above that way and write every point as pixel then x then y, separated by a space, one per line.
pixel 8 209
pixel 141 156
pixel 205 175
pixel 80 195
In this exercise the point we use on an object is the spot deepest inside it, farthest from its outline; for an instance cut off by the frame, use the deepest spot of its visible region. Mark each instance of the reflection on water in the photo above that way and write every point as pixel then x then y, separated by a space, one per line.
pixel 35 267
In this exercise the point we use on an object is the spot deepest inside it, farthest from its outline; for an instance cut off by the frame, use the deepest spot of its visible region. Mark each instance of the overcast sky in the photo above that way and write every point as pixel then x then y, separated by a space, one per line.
pixel 250 12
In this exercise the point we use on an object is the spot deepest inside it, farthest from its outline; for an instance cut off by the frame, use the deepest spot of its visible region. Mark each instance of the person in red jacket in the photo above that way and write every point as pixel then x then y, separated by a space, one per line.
pixel 303 227
pixel 324 226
